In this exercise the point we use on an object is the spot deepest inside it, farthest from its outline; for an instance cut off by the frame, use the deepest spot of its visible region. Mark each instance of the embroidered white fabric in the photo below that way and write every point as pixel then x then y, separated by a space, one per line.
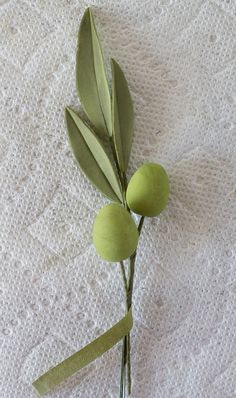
pixel 56 295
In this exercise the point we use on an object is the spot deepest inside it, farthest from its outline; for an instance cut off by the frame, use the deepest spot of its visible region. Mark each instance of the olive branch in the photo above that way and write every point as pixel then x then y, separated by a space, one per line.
pixel 102 149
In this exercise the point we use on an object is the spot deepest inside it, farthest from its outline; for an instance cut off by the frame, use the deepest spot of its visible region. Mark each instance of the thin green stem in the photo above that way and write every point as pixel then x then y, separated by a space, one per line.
pixel 140 226
pixel 112 145
pixel 124 182
pixel 132 267
pixel 121 174
pixel 122 373
pixel 129 364
pixel 128 287
pixel 125 346
pixel 122 267
pixel 113 149
pixel 126 343
pixel 129 304
pixel 124 179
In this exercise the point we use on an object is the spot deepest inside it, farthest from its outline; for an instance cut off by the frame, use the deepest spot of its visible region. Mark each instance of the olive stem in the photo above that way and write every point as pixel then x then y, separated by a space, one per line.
pixel 126 341
pixel 120 174
pixel 132 267
pixel 122 267
pixel 129 364
pixel 129 304
pixel 140 226
pixel 125 348
pixel 128 287
pixel 122 373
pixel 125 345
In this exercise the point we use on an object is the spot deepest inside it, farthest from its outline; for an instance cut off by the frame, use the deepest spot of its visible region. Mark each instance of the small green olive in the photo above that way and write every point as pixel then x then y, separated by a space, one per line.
pixel 148 190
pixel 115 235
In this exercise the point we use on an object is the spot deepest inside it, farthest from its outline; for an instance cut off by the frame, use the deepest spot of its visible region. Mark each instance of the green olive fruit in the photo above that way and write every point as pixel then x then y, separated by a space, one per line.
pixel 148 190
pixel 115 235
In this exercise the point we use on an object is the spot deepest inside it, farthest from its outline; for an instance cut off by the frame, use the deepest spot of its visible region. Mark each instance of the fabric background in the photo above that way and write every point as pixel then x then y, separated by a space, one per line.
pixel 56 295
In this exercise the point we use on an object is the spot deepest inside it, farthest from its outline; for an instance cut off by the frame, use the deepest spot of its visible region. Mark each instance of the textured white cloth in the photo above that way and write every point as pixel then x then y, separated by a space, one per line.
pixel 56 295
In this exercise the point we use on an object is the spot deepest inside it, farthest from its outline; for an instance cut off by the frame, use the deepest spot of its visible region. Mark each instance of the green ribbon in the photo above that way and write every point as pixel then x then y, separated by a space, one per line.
pixel 86 355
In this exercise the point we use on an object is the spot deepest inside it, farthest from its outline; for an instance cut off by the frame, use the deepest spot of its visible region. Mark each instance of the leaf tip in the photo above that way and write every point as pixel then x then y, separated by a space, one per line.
pixel 114 63
pixel 67 110
pixel 88 13
pixel 88 10
pixel 85 18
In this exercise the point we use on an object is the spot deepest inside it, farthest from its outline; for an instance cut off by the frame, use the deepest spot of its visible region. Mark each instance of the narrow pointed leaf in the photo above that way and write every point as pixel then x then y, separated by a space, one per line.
pixel 92 157
pixel 122 115
pixel 86 355
pixel 91 81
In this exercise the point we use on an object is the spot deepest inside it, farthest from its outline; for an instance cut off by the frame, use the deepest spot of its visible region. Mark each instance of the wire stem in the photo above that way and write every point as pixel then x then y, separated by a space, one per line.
pixel 125 345
pixel 129 304
pixel 128 287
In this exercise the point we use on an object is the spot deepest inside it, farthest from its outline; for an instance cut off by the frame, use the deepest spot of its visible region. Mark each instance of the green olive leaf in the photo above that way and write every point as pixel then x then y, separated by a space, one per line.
pixel 92 157
pixel 86 355
pixel 91 81
pixel 122 115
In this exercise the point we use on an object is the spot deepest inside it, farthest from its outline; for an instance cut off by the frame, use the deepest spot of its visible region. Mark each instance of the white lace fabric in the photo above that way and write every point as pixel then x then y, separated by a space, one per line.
pixel 56 295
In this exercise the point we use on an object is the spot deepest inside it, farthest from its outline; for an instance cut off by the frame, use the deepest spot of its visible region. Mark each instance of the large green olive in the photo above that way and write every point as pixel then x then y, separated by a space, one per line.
pixel 115 235
pixel 148 190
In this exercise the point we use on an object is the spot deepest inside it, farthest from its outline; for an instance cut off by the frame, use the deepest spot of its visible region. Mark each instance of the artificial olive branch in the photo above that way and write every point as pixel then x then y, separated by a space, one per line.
pixel 115 234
